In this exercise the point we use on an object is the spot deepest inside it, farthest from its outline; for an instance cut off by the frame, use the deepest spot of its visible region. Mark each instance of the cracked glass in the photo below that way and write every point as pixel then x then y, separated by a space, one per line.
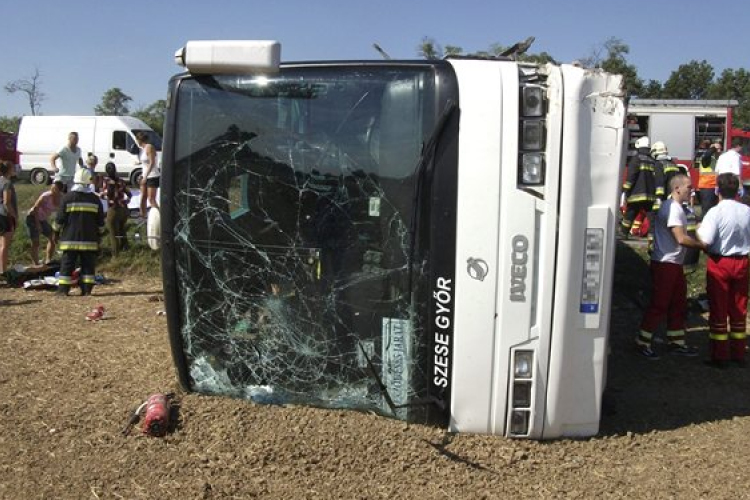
pixel 294 204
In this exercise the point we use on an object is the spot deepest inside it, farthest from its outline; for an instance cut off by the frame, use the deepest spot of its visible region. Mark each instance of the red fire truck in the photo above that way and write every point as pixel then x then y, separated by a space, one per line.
pixel 683 125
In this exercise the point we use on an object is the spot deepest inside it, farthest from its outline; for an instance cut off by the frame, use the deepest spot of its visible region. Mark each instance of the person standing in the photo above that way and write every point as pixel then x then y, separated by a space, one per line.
pixel 707 177
pixel 731 161
pixel 80 216
pixel 8 212
pixel 37 223
pixel 669 292
pixel 643 186
pixel 151 173
pixel 669 168
pixel 70 157
pixel 726 232
pixel 117 195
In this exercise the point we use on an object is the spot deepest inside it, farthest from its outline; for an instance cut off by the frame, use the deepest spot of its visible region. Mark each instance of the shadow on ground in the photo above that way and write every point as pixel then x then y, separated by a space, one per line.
pixel 644 395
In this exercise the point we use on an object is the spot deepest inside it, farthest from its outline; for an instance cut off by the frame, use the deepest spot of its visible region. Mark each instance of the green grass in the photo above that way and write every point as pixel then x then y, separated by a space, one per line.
pixel 138 260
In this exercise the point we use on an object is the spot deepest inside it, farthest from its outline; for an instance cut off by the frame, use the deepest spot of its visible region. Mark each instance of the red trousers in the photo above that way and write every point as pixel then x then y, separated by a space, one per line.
pixel 726 284
pixel 669 297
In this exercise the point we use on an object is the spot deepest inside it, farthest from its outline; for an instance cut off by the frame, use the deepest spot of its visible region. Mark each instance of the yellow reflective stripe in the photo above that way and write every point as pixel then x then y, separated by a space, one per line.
pixel 646 167
pixel 82 207
pixel 706 171
pixel 88 279
pixel 718 336
pixel 64 280
pixel 626 185
pixel 640 197
pixel 79 245
pixel 737 336
pixel 644 337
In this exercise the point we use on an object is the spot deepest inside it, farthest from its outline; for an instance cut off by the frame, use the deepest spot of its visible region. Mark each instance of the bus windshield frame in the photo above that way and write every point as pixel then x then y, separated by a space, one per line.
pixel 300 238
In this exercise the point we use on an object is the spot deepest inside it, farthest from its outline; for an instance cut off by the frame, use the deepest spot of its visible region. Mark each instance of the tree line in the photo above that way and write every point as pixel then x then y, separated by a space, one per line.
pixel 692 80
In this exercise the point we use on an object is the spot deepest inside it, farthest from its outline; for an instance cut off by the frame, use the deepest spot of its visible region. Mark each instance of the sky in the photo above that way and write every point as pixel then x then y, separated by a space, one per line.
pixel 84 48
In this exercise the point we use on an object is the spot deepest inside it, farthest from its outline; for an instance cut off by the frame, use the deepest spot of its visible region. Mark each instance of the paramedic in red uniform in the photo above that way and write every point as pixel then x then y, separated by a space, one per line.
pixel 669 293
pixel 726 232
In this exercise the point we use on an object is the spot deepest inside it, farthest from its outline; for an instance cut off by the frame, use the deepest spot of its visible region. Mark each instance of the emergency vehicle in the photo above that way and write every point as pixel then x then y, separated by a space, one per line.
pixel 8 147
pixel 683 125
pixel 431 240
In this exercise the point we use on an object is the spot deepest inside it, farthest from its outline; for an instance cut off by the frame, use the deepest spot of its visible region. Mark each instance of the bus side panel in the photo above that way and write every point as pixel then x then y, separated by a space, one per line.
pixel 593 142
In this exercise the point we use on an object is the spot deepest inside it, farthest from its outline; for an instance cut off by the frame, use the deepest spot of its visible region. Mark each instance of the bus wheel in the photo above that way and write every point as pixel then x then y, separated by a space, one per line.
pixel 39 177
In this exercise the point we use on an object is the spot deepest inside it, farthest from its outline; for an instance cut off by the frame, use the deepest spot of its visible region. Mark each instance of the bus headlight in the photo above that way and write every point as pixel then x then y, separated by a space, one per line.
pixel 522 394
pixel 532 135
pixel 523 364
pixel 532 101
pixel 532 129
pixel 532 169
pixel 519 423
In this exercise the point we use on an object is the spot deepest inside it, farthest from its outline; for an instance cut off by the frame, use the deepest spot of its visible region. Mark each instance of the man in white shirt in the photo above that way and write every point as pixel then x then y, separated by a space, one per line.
pixel 669 295
pixel 726 232
pixel 731 161
pixel 70 157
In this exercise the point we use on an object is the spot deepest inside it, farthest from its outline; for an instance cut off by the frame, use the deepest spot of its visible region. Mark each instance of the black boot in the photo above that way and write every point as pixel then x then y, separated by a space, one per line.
pixel 63 290
pixel 86 288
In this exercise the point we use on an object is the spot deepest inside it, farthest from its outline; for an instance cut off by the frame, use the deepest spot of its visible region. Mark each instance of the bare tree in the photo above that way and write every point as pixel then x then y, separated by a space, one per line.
pixel 30 86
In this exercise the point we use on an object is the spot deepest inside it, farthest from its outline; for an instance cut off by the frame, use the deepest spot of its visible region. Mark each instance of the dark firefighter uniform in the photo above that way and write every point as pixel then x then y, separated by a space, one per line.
pixel 80 217
pixel 669 169
pixel 644 185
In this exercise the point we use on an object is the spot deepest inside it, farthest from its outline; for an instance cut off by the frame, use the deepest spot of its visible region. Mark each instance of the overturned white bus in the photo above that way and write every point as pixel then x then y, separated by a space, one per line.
pixel 430 240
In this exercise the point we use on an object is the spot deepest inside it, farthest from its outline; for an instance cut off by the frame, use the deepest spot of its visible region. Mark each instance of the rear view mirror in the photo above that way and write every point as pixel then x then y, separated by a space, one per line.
pixel 134 149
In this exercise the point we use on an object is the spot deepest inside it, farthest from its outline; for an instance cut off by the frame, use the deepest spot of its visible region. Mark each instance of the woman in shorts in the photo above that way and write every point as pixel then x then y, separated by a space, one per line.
pixel 151 172
pixel 37 223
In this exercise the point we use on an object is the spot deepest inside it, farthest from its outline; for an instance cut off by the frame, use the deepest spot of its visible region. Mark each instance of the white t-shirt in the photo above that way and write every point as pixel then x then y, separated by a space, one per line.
pixel 666 249
pixel 69 160
pixel 726 229
pixel 730 161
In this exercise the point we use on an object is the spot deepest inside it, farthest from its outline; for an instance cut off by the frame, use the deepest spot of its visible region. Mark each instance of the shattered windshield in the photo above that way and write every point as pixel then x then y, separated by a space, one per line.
pixel 294 200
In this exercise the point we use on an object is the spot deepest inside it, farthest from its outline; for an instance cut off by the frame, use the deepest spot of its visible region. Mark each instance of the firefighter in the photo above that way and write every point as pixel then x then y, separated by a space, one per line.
pixel 643 187
pixel 726 232
pixel 80 216
pixel 669 168
pixel 707 177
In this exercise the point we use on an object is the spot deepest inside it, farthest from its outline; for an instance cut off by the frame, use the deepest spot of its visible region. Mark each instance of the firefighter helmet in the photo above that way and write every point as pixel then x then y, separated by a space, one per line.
pixel 82 176
pixel 658 149
pixel 642 142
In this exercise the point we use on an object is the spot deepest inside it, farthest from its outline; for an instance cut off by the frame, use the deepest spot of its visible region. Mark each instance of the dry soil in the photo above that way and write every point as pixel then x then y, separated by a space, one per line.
pixel 674 428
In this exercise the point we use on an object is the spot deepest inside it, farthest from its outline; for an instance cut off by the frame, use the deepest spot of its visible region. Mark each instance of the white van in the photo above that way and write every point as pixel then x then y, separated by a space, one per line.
pixel 110 138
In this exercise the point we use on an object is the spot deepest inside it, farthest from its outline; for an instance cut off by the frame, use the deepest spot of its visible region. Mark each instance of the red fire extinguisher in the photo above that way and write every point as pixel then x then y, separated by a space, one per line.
pixel 156 417
pixel 156 420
